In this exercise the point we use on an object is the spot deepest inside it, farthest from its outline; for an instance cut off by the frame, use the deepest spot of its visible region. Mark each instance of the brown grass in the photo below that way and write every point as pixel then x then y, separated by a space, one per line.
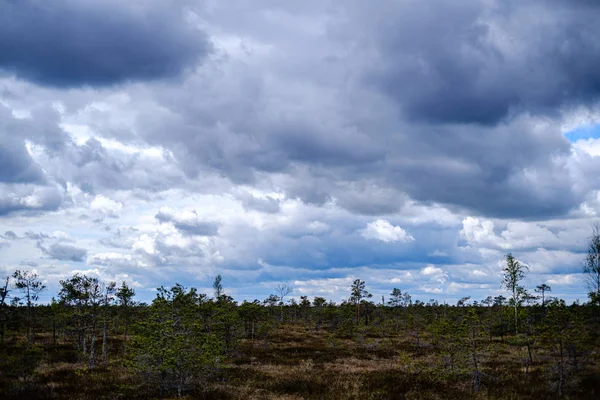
pixel 297 363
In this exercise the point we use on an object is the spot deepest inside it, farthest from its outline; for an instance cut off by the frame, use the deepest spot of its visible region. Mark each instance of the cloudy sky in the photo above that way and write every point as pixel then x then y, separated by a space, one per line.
pixel 409 143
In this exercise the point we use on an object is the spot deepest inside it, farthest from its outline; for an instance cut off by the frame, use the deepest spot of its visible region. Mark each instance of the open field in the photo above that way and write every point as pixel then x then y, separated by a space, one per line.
pixel 295 362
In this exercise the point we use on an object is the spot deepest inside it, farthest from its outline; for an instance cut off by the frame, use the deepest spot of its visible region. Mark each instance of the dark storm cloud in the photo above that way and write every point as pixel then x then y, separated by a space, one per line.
pixel 16 165
pixel 65 252
pixel 473 82
pixel 517 170
pixel 480 61
pixel 365 107
pixel 24 185
pixel 69 43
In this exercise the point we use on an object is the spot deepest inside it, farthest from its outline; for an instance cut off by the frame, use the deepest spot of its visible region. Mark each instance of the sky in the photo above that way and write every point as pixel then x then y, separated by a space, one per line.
pixel 408 143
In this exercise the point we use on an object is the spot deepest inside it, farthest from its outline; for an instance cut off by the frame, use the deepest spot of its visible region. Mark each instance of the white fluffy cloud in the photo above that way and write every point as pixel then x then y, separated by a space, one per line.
pixel 384 231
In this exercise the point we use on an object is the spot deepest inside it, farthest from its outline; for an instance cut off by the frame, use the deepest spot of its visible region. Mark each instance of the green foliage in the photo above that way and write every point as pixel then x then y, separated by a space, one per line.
pixel 591 266
pixel 30 286
pixel 218 286
pixel 171 350
pixel 181 342
pixel 22 362
pixel 513 274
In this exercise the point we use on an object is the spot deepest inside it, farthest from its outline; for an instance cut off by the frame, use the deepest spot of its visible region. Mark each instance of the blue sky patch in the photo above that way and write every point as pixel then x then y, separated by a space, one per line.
pixel 584 132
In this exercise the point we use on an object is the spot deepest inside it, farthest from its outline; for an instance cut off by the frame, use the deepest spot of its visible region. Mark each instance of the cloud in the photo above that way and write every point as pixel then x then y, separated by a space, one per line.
pixel 16 164
pixel 65 252
pixel 14 198
pixel 493 61
pixel 188 222
pixel 517 235
pixel 9 235
pixel 386 232
pixel 413 143
pixel 567 279
pixel 123 262
pixel 267 204
pixel 73 43
pixel 106 206
pixel 350 145
pixel 36 235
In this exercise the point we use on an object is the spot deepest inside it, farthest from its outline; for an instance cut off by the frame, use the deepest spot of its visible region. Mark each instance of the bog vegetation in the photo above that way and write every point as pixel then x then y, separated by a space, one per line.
pixel 95 341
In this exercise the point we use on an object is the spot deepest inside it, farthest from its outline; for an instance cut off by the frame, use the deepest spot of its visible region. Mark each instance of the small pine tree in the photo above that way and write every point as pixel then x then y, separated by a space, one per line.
pixel 171 351
pixel 514 272
pixel 358 293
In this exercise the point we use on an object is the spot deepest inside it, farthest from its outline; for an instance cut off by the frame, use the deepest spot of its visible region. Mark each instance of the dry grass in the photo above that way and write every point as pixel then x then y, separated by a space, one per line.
pixel 297 363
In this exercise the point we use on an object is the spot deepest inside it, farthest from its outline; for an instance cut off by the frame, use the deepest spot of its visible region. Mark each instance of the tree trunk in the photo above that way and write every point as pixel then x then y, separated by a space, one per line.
pixel 93 344
pixel 516 329
pixel 28 322
pixel 125 335
pixel 2 330
pixel 104 339
pixel 530 361
pixel 476 374
pixel 33 325
pixel 561 371
pixel 54 331
pixel 84 341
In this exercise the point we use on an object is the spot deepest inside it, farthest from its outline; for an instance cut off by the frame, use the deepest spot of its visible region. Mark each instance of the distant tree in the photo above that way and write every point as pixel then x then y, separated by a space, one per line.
pixel 499 300
pixel 543 289
pixel 395 302
pixel 357 294
pixel 107 300
pixel 488 301
pixel 85 294
pixel 29 284
pixel 282 291
pixel 304 307
pixel 560 331
pixel 293 304
pixel 463 301
pixel 395 298
pixel 251 313
pixel 406 299
pixel 514 272
pixel 125 296
pixel 592 265
pixel 319 301
pixel 4 291
pixel 218 286
pixel 471 327
pixel 319 308
pixel 271 301
pixel 95 297
pixel 74 293
pixel 226 322
pixel 55 312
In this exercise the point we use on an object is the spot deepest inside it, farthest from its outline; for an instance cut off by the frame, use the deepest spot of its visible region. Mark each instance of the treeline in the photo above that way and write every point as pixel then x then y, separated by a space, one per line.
pixel 183 338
